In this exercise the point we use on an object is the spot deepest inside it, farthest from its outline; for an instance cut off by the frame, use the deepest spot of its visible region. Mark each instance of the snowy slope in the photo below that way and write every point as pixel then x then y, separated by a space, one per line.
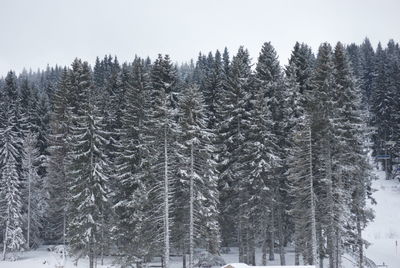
pixel 385 230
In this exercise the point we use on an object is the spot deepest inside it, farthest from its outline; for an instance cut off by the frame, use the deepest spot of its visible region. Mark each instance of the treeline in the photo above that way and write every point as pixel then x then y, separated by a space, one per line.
pixel 146 158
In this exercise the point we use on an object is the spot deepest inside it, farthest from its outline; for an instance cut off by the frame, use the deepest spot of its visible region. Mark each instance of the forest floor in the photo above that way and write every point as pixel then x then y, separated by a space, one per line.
pixel 383 234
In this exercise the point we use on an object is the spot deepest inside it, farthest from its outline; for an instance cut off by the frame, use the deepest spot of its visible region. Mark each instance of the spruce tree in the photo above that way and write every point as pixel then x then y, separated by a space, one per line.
pixel 161 142
pixel 10 168
pixel 232 131
pixel 56 163
pixel 301 181
pixel 197 168
pixel 269 78
pixel 353 171
pixel 87 169
pixel 367 71
pixel 321 115
pixel 131 230
pixel 300 163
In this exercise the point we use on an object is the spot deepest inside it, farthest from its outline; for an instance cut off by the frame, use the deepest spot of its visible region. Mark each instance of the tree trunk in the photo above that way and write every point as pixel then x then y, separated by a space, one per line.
pixel 321 247
pixel 102 242
pixel 29 208
pixel 252 248
pixel 281 245
pixel 330 234
pixel 184 257
pixel 91 253
pixel 281 236
pixel 166 202
pixel 5 240
pixel 296 246
pixel 312 203
pixel 191 201
pixel 360 243
pixel 296 256
pixel 264 248
pixel 247 251
pixel 272 234
pixel 240 236
pixel 338 249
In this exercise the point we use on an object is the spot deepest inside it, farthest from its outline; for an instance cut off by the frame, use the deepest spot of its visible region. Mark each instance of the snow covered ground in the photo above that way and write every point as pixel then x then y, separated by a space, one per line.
pixel 382 234
pixel 42 258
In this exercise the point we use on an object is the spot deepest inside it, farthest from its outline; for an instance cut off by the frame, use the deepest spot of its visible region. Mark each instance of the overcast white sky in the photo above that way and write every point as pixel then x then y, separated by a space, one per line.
pixel 41 32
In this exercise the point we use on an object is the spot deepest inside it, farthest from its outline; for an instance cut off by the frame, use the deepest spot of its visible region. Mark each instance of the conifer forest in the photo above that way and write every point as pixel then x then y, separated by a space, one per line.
pixel 151 159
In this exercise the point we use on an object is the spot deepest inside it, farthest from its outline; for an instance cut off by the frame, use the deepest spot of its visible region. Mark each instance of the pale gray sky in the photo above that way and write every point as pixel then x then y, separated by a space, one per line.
pixel 41 32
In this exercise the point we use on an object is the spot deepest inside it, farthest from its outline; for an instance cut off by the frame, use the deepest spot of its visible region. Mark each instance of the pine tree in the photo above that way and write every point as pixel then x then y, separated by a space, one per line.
pixel 300 162
pixel 258 161
pixel 10 167
pixel 381 100
pixel 213 83
pixel 301 62
pixel 269 77
pixel 87 169
pixel 131 229
pixel 321 114
pixel 367 71
pixel 232 132
pixel 161 140
pixel 56 162
pixel 353 171
pixel 198 172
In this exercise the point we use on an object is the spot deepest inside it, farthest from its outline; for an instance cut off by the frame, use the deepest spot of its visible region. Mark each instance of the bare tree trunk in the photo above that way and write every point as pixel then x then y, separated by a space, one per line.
pixel 91 253
pixel 281 245
pixel 330 234
pixel 281 236
pixel 191 201
pixel 312 202
pixel 240 235
pixel 264 247
pixel 5 238
pixel 29 206
pixel 247 251
pixel 166 202
pixel 65 226
pixel 184 257
pixel 272 233
pixel 264 239
pixel 321 247
pixel 296 256
pixel 296 245
pixel 360 244
pixel 102 241
pixel 339 215
pixel 338 249
pixel 252 248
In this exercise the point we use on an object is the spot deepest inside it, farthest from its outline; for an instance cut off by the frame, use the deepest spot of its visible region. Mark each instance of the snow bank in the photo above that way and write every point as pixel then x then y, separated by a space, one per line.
pixel 243 265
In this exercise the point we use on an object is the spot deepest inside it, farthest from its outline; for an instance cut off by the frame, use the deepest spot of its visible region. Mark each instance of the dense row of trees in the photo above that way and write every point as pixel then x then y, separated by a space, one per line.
pixel 148 158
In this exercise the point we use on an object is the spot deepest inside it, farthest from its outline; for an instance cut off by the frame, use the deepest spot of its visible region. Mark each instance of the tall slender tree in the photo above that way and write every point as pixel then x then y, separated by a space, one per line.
pixel 10 167
pixel 87 168
pixel 162 139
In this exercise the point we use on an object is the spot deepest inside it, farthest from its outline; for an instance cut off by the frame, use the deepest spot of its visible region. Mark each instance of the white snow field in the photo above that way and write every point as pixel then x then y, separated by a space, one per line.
pixel 382 234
